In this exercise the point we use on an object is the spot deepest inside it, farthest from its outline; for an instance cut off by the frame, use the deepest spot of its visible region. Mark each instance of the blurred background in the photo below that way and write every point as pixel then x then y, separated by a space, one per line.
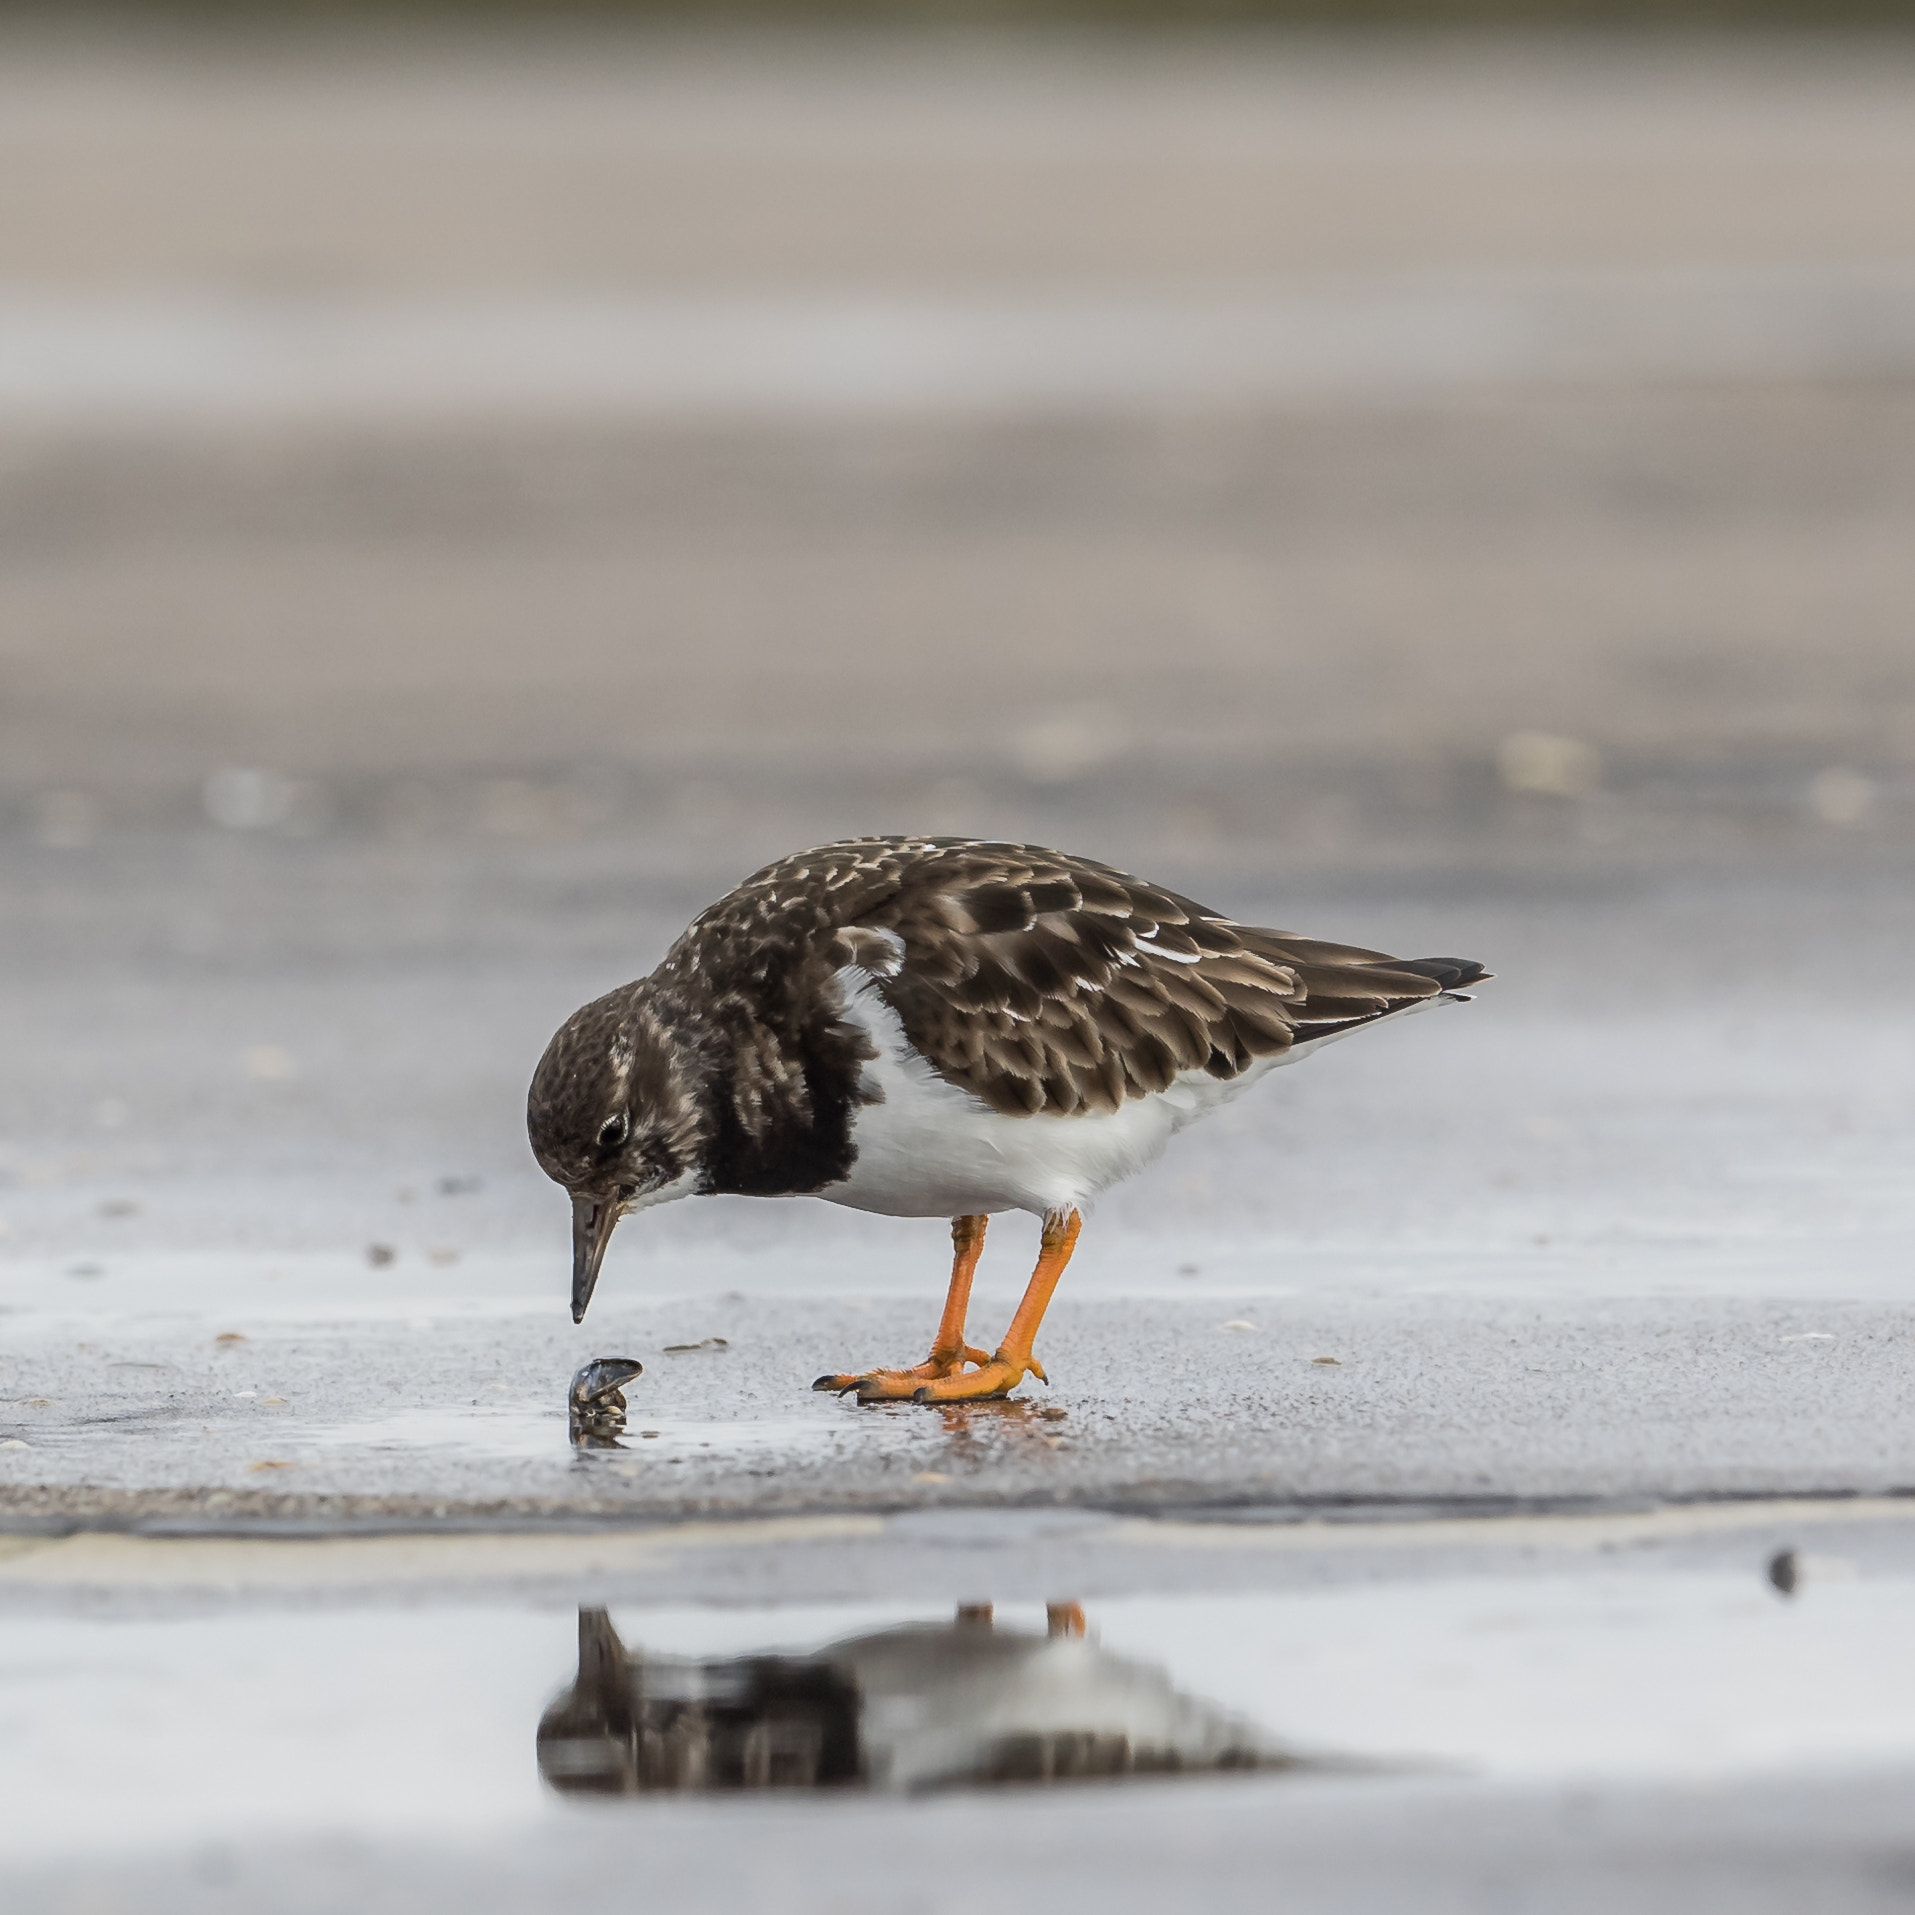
pixel 476 482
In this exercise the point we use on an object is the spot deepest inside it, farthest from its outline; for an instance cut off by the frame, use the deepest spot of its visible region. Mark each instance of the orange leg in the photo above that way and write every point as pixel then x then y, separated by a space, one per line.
pixel 950 1352
pixel 1013 1360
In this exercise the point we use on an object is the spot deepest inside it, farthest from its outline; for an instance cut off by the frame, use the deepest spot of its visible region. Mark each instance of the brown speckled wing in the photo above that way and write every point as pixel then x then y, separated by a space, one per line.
pixel 1043 982
pixel 1036 980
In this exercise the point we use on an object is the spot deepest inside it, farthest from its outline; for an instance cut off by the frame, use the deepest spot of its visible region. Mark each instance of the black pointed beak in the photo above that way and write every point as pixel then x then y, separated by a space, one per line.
pixel 592 1221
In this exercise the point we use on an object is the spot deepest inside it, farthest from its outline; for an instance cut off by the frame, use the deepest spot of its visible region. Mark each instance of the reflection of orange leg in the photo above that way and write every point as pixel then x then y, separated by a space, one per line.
pixel 1013 1360
pixel 950 1352
pixel 1065 1618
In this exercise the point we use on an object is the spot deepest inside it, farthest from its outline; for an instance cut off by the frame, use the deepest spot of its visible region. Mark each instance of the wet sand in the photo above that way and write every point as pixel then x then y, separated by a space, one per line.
pixel 1597 1233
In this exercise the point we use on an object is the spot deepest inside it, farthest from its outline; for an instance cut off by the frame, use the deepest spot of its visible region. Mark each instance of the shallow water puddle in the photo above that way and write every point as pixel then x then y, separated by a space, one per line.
pixel 437 1719
pixel 477 1432
pixel 542 1433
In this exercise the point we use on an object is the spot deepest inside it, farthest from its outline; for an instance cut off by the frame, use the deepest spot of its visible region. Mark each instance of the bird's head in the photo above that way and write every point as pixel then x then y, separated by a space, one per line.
pixel 613 1118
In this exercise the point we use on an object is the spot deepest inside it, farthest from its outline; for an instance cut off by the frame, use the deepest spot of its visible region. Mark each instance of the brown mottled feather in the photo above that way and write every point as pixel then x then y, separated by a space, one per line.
pixel 1038 981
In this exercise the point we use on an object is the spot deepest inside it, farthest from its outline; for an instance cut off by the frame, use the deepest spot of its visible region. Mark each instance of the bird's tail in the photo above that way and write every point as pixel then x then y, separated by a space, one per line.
pixel 1452 974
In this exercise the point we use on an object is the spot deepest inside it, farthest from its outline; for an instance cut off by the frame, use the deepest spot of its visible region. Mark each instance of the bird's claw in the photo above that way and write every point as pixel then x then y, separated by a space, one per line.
pixel 874 1386
pixel 989 1381
pixel 901 1386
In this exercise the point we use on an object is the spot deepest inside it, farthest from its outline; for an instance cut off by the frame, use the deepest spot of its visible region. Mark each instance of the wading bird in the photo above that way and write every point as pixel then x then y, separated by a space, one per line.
pixel 936 1027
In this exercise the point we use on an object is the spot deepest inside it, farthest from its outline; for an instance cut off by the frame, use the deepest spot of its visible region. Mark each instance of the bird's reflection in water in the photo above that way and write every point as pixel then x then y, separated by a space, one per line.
pixel 925 1706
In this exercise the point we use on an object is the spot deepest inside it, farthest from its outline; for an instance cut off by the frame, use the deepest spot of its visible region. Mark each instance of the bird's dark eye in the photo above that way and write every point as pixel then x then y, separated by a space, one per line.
pixel 611 1133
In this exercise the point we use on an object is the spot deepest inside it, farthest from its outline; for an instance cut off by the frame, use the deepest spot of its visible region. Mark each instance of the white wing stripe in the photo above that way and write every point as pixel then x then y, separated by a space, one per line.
pixel 1176 957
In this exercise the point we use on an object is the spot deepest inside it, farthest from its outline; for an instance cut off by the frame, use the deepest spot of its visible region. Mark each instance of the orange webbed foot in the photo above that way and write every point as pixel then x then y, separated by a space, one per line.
pixel 901 1386
pixel 997 1377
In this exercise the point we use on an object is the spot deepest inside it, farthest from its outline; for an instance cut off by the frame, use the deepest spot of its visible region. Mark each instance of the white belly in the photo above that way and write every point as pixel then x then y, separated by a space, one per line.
pixel 930 1149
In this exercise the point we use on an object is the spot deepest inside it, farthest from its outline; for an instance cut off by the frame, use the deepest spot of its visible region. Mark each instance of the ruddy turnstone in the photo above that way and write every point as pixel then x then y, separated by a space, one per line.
pixel 936 1027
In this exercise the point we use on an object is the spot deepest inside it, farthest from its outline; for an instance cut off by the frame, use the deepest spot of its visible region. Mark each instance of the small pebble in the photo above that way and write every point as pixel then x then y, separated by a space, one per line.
pixel 380 1254
pixel 1785 1572
pixel 230 1336
pixel 1336 1363
pixel 1238 1323
pixel 705 1343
